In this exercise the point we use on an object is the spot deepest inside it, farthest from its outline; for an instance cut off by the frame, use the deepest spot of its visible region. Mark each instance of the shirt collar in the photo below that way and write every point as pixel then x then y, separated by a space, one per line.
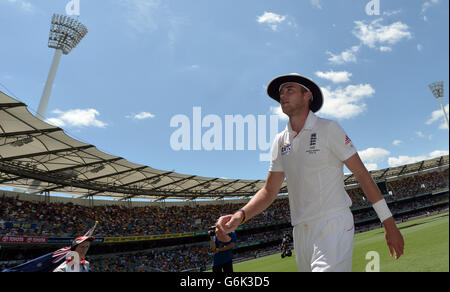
pixel 309 123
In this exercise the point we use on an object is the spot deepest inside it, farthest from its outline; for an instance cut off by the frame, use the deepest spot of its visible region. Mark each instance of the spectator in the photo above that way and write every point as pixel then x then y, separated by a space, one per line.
pixel 223 253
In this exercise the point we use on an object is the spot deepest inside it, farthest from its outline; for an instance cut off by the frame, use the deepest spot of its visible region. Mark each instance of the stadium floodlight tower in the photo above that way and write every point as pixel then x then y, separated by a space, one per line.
pixel 65 34
pixel 437 89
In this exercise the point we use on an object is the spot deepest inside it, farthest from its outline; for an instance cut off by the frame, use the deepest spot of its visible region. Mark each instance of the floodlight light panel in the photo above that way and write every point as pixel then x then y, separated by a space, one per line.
pixel 437 89
pixel 65 33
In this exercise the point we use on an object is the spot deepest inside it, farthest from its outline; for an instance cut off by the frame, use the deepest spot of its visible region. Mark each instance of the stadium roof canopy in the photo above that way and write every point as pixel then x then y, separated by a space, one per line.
pixel 41 158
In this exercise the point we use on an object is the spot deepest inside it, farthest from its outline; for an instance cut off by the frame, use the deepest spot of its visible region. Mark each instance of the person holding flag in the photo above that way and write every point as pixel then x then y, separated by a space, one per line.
pixel 75 259
pixel 62 260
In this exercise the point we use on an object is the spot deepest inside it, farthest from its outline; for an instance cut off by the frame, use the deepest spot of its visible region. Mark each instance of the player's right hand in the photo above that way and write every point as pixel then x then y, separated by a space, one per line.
pixel 225 225
pixel 394 238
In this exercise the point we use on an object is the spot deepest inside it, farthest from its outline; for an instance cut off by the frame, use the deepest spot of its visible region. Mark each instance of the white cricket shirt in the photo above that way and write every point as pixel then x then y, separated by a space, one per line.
pixel 312 162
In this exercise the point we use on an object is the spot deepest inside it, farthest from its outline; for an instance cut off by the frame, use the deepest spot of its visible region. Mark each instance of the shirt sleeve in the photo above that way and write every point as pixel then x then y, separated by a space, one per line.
pixel 275 161
pixel 339 142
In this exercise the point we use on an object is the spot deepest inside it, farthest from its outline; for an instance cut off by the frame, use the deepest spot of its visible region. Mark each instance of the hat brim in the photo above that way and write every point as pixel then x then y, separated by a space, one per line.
pixel 82 239
pixel 274 87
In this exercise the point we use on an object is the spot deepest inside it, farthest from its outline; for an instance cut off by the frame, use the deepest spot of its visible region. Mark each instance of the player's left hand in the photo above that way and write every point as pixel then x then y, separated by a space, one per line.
pixel 394 238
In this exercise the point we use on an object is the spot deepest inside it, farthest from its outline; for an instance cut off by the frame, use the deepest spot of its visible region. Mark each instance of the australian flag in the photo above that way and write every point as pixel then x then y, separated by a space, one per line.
pixel 45 263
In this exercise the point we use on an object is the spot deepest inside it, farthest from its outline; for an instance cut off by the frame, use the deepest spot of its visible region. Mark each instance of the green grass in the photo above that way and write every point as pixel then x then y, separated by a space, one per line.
pixel 426 250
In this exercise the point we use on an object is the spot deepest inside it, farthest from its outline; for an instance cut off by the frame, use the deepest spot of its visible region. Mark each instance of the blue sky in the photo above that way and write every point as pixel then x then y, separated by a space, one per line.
pixel 145 62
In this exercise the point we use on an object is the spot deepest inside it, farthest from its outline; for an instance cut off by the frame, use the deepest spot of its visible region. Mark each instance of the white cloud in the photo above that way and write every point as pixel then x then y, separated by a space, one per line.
pixel 375 33
pixel 438 153
pixel 404 159
pixel 438 115
pixel 56 122
pixel 77 118
pixel 271 19
pixel 335 77
pixel 346 56
pixel 348 102
pixel 373 154
pixel 142 116
pixel 397 142
pixel 371 166
pixel 276 110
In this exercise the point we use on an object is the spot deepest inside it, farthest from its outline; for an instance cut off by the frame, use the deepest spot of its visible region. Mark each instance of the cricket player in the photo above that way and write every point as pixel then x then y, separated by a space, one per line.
pixel 310 153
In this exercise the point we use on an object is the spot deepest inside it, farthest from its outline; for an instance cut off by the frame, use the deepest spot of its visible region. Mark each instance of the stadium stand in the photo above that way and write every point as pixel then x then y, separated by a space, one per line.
pixel 172 237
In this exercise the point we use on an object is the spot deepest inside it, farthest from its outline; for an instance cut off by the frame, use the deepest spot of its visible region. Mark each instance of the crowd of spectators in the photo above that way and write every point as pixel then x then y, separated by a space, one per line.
pixel 404 187
pixel 70 220
pixel 195 257
pixel 175 259
pixel 414 185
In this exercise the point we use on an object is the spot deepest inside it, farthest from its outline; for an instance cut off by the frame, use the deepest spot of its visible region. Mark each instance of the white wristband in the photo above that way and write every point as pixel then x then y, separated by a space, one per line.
pixel 382 210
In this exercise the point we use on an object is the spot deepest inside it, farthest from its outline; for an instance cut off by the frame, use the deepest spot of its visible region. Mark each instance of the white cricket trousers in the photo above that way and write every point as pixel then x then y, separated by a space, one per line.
pixel 326 244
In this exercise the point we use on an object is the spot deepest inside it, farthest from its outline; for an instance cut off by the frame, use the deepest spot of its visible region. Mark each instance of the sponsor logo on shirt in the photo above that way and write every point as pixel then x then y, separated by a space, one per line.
pixel 285 148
